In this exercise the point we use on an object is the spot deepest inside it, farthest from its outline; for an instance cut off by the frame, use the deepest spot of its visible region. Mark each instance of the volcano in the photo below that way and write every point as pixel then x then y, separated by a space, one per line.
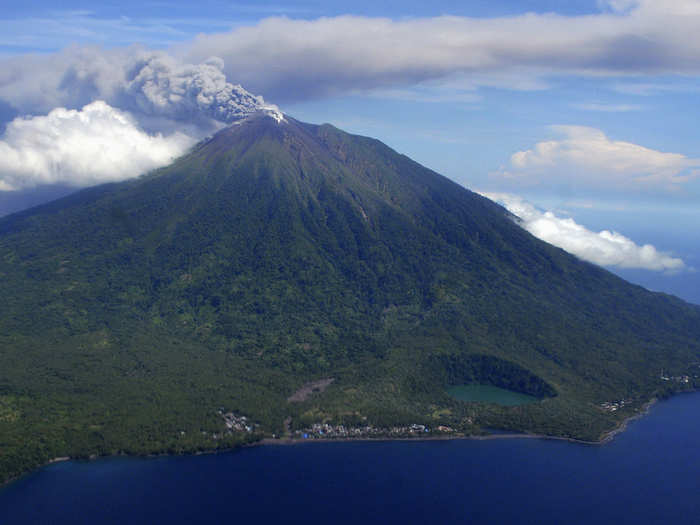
pixel 294 274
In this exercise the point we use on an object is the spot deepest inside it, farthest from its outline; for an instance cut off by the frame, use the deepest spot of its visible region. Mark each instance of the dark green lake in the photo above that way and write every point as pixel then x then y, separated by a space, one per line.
pixel 475 393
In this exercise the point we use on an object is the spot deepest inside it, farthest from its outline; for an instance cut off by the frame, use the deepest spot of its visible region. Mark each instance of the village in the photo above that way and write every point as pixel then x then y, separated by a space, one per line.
pixel 614 406
pixel 238 423
pixel 328 431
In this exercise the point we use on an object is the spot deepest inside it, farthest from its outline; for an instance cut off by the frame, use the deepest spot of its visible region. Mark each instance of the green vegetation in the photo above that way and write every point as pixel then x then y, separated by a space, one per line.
pixel 477 393
pixel 273 255
pixel 488 370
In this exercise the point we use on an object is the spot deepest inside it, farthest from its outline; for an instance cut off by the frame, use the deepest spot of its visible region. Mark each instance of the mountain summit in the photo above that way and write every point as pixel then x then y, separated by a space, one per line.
pixel 288 272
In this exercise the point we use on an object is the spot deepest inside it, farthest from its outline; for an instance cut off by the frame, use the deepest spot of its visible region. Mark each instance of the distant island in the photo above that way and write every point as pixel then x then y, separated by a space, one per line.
pixel 285 280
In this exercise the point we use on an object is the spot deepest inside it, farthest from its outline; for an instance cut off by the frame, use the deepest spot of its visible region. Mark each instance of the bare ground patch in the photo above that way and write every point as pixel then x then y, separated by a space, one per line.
pixel 310 388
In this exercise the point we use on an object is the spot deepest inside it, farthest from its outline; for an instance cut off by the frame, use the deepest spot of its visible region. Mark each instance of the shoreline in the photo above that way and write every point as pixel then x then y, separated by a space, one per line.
pixel 644 410
pixel 287 441
pixel 605 438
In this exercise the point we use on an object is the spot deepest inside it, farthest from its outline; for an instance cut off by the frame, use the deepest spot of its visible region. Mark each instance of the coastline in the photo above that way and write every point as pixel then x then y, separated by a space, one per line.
pixel 448 437
pixel 286 441
pixel 644 410
pixel 604 439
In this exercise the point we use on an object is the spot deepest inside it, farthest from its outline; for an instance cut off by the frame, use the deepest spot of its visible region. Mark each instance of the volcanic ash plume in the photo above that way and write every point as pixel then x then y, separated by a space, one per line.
pixel 158 85
pixel 152 85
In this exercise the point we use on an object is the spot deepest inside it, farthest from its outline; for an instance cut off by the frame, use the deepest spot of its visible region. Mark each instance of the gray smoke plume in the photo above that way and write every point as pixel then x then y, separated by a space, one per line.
pixel 155 87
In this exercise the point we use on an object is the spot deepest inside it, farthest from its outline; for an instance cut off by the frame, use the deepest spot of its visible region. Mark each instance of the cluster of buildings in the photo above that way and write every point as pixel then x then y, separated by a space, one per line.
pixel 236 423
pixel 678 379
pixel 326 430
pixel 613 406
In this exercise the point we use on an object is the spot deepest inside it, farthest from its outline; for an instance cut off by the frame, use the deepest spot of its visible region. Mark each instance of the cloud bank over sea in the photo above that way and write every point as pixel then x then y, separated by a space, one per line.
pixel 605 248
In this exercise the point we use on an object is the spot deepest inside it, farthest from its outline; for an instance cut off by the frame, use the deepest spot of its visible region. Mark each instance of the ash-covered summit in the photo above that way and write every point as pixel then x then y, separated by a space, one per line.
pixel 153 314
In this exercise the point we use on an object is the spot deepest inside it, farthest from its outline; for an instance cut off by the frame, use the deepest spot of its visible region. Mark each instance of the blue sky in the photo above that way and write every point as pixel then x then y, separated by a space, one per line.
pixel 585 111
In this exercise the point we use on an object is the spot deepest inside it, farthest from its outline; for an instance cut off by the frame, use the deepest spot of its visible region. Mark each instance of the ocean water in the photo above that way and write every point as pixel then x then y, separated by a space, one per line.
pixel 649 474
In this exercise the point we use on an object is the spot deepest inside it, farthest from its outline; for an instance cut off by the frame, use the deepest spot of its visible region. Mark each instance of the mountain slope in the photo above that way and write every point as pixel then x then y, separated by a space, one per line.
pixel 277 253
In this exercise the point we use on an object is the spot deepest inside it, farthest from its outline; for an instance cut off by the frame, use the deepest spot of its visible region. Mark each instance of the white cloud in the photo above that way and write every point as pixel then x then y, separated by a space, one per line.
pixel 586 158
pixel 606 248
pixel 289 59
pixel 81 147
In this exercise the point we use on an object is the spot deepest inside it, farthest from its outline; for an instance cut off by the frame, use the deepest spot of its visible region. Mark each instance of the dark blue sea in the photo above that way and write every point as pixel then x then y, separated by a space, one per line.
pixel 649 474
